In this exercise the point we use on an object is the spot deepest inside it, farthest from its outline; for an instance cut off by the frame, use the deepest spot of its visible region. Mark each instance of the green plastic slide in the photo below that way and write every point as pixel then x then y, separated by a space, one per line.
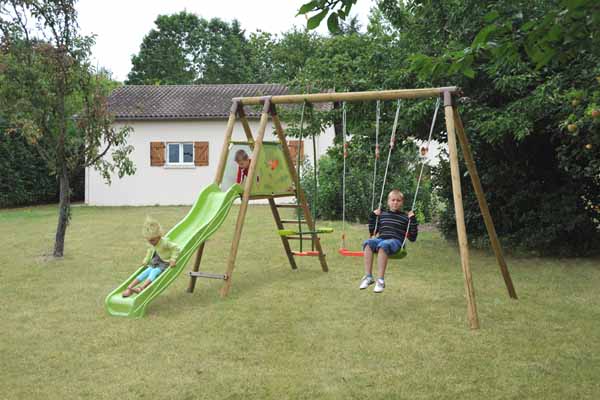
pixel 205 217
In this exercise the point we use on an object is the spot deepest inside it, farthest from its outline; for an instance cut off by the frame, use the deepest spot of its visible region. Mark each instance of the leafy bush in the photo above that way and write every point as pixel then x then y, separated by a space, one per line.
pixel 25 178
pixel 359 182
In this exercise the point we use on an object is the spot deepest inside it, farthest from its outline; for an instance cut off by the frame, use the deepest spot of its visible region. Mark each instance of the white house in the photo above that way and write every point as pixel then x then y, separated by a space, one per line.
pixel 177 134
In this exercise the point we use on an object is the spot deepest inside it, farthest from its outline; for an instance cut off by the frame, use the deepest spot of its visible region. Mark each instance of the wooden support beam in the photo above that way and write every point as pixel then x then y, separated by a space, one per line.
pixel 246 127
pixel 195 268
pixel 483 205
pixel 299 192
pixel 459 212
pixel 284 240
pixel 201 274
pixel 350 96
pixel 246 197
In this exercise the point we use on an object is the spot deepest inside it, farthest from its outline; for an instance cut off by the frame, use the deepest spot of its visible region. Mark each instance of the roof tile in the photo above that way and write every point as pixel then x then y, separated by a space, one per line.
pixel 144 102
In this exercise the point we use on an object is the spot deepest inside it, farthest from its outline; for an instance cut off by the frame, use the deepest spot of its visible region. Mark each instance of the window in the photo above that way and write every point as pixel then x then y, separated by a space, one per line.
pixel 180 153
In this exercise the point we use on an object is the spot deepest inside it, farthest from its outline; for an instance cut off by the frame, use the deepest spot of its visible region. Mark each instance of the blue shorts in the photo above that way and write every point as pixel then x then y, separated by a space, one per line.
pixel 150 273
pixel 390 246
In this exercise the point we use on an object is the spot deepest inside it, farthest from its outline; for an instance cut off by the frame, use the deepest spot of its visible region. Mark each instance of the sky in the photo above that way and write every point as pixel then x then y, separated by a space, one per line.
pixel 120 26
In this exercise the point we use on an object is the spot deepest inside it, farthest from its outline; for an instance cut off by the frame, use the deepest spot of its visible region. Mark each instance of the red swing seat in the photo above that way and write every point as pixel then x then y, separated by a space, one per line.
pixel 350 253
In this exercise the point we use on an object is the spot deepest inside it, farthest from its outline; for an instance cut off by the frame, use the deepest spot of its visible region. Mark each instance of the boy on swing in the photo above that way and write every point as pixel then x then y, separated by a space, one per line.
pixel 388 230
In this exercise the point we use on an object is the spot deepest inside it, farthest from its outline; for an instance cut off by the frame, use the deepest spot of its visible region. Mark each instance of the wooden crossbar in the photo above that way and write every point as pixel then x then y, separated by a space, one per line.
pixel 349 96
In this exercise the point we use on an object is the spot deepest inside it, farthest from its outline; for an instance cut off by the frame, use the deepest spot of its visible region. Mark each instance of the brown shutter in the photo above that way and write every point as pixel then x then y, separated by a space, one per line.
pixel 293 145
pixel 201 153
pixel 157 154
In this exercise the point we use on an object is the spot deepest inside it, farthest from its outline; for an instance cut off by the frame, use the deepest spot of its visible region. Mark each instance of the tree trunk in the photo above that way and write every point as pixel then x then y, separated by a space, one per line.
pixel 64 213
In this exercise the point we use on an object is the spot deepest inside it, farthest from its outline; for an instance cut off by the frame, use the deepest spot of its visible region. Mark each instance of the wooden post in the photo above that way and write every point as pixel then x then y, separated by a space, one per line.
pixel 284 240
pixel 299 191
pixel 225 149
pixel 483 205
pixel 459 212
pixel 235 106
pixel 195 268
pixel 246 197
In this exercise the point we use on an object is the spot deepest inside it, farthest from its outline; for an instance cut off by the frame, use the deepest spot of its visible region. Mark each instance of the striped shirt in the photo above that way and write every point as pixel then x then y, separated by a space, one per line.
pixel 392 225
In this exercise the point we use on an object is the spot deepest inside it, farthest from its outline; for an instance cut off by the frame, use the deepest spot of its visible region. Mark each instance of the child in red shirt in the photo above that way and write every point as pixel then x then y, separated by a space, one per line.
pixel 243 161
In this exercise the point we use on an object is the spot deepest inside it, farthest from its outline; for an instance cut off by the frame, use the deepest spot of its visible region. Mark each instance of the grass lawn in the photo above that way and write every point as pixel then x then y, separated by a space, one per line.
pixel 283 334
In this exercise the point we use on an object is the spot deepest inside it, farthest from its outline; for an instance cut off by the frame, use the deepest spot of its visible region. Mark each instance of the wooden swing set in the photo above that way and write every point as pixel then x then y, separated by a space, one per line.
pixel 454 127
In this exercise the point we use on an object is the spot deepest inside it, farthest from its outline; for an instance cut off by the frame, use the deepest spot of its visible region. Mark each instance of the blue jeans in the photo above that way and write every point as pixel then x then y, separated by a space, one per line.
pixel 150 273
pixel 390 246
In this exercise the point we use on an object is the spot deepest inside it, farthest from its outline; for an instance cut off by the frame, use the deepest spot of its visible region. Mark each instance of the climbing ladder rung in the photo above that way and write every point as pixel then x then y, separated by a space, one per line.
pixel 292 221
pixel 307 233
pixel 208 275
pixel 307 238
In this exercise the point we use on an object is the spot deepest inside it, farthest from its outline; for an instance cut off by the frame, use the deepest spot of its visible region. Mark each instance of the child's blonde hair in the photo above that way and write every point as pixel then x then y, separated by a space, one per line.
pixel 397 192
pixel 151 229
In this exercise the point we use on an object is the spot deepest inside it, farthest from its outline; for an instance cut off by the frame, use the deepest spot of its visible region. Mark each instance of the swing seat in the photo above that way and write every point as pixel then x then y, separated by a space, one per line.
pixel 288 232
pixel 305 253
pixel 396 256
pixel 350 253
pixel 399 255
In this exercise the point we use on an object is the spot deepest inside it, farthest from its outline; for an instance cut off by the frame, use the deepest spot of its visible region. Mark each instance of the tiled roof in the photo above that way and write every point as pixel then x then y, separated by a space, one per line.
pixel 144 102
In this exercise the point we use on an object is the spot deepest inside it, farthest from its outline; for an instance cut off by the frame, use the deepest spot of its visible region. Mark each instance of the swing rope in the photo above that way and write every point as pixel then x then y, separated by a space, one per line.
pixel 377 117
pixel 414 202
pixel 316 186
pixel 345 149
pixel 298 151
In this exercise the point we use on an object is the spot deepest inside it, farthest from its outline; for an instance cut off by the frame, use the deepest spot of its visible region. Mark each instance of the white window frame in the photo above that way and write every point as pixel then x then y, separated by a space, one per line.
pixel 179 163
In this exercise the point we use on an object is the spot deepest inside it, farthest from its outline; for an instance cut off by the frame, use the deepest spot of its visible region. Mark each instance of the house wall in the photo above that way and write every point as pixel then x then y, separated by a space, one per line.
pixel 167 185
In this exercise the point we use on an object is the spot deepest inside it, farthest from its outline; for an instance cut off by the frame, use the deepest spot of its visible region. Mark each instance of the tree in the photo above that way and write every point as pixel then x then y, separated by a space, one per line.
pixel 529 71
pixel 185 48
pixel 54 98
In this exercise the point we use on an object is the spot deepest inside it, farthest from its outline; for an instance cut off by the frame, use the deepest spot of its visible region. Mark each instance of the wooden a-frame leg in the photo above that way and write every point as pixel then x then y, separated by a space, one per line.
pixel 195 268
pixel 284 240
pixel 459 212
pixel 483 205
pixel 235 107
pixel 246 197
pixel 300 193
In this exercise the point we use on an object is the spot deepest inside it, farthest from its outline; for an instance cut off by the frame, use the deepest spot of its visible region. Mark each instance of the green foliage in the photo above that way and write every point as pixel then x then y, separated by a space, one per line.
pixel 360 198
pixel 184 48
pixel 52 96
pixel 25 178
pixel 335 11
pixel 529 71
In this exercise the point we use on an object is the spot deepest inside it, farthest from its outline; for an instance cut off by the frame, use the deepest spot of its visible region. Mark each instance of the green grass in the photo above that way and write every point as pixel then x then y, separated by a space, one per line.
pixel 283 334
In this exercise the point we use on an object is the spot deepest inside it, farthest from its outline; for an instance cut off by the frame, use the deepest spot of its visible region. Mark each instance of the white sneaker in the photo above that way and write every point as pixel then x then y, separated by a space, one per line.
pixel 379 286
pixel 366 281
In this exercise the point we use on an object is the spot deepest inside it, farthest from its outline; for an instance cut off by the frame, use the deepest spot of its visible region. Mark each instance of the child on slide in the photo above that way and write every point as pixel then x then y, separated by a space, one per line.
pixel 388 231
pixel 161 254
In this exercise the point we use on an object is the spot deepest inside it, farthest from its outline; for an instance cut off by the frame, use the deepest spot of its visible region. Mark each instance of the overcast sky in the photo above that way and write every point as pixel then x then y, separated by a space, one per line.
pixel 121 25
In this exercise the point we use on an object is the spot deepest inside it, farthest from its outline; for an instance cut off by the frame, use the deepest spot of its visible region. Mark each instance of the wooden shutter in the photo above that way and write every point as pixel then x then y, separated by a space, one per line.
pixel 294 145
pixel 201 154
pixel 157 154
